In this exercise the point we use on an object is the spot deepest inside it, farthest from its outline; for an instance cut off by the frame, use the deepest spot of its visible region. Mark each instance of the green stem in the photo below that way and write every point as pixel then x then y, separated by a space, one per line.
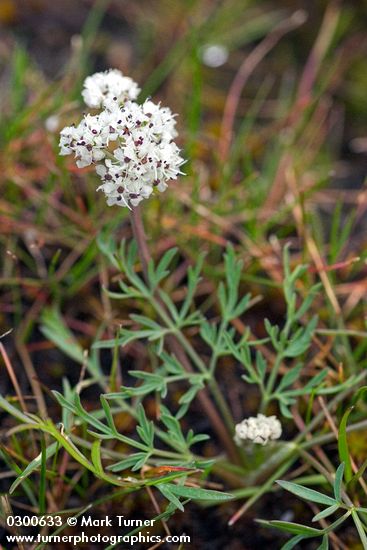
pixel 109 453
pixel 267 393
pixel 140 237
pixel 274 373
pixel 212 383
pixel 199 363
pixel 265 487
pixel 338 522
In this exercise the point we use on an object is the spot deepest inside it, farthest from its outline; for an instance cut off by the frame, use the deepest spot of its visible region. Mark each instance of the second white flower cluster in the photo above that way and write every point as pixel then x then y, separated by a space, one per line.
pixel 259 429
pixel 130 144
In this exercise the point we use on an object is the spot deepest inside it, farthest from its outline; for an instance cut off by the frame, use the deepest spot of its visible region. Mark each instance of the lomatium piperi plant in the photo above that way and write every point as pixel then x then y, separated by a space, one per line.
pixel 132 148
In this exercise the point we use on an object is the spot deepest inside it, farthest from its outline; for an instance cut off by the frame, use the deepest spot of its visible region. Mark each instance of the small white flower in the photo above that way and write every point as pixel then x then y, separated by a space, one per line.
pixel 259 429
pixel 108 88
pixel 87 141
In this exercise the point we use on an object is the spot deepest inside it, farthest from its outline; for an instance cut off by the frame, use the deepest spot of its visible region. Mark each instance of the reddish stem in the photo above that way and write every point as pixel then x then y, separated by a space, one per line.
pixel 176 348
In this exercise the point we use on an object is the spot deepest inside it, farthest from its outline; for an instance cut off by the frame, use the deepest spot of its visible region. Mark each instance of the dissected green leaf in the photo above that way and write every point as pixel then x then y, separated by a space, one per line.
pixel 161 271
pixel 294 528
pixel 165 489
pixel 128 462
pixel 190 394
pixel 338 481
pixel 108 413
pixel 196 493
pixel 33 466
pixel 300 344
pixel 96 456
pixel 145 428
pixel 291 376
pixel 171 364
pixel 306 493
pixel 326 513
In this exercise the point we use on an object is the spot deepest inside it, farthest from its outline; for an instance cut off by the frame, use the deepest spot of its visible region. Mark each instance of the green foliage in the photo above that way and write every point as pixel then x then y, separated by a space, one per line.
pixel 125 434
pixel 161 442
pixel 341 502
pixel 146 431
pixel 293 341
pixel 343 446
pixel 306 493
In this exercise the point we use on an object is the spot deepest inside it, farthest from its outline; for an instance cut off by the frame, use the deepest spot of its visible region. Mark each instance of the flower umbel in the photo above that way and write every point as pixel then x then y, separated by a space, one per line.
pixel 101 89
pixel 259 429
pixel 131 145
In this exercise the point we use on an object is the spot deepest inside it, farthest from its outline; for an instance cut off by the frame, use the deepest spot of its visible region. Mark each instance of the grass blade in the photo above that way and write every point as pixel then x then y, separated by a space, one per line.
pixel 343 445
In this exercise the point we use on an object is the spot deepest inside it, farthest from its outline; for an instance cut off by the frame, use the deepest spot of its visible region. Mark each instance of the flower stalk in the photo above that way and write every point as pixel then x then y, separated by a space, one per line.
pixel 181 347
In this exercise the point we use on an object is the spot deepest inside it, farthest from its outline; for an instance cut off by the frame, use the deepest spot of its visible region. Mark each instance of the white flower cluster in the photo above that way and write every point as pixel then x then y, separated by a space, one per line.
pixel 131 145
pixel 259 429
pixel 100 89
